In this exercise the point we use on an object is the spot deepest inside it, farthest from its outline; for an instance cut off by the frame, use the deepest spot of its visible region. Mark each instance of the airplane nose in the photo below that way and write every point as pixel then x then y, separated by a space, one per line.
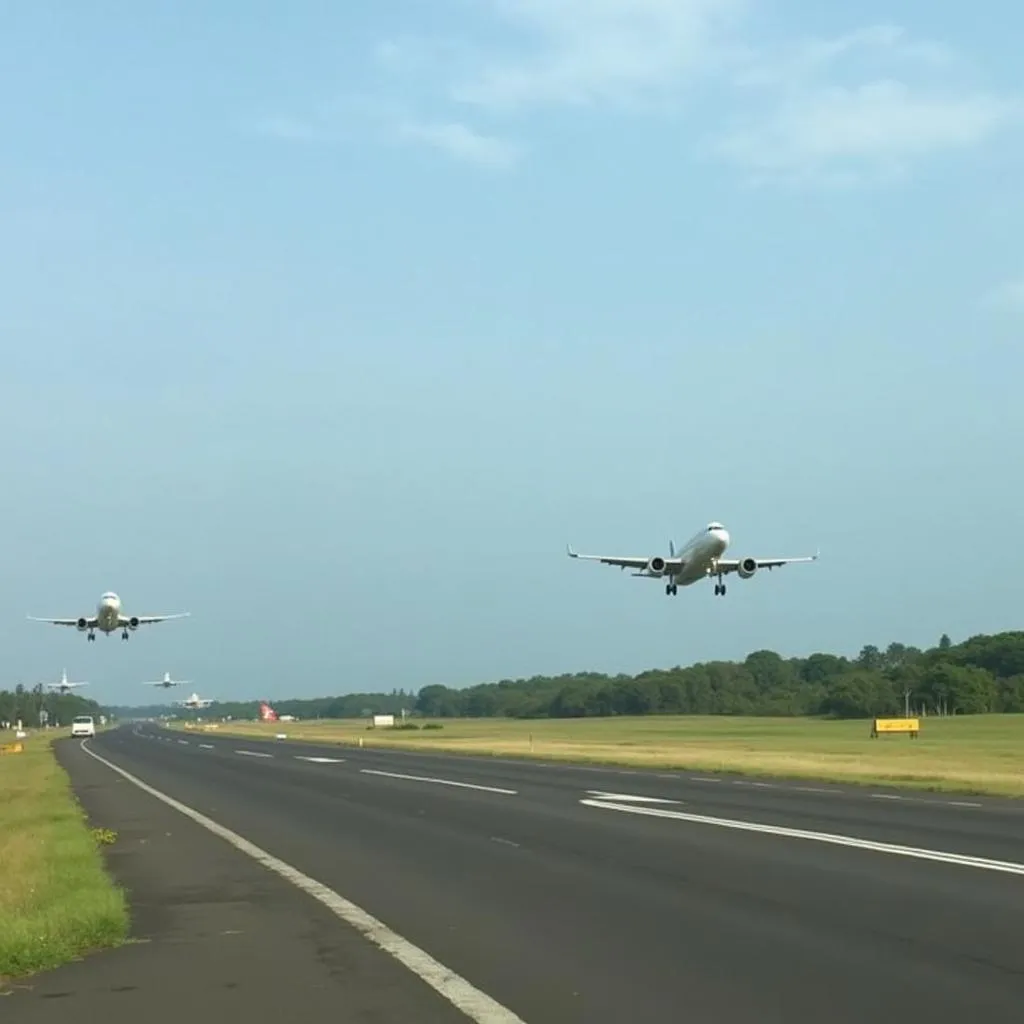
pixel 723 536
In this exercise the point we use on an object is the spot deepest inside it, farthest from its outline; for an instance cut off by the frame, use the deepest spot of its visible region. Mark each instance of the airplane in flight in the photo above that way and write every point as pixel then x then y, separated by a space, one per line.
pixel 195 701
pixel 109 618
pixel 699 558
pixel 64 686
pixel 167 682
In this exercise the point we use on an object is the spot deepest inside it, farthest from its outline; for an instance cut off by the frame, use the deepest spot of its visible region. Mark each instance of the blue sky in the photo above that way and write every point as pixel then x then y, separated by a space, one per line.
pixel 333 323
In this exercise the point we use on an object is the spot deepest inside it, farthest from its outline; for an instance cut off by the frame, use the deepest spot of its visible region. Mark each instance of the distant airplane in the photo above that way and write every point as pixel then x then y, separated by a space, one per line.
pixel 167 682
pixel 108 618
pixel 195 701
pixel 64 686
pixel 699 558
pixel 267 713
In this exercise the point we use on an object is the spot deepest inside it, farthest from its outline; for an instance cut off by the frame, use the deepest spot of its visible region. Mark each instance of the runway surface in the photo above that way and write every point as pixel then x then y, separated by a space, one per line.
pixel 571 894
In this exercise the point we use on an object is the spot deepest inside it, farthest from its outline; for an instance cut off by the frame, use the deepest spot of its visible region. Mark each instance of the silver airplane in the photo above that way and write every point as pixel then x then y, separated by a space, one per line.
pixel 699 558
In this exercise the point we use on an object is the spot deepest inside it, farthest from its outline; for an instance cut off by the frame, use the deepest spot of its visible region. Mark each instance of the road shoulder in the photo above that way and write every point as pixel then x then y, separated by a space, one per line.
pixel 212 932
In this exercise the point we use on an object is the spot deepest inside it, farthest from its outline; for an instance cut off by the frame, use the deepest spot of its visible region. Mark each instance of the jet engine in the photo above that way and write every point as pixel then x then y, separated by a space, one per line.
pixel 82 625
pixel 746 568
pixel 656 566
pixel 133 622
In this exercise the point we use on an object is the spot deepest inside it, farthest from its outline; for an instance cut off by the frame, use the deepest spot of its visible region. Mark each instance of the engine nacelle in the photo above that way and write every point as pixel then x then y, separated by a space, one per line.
pixel 746 568
pixel 656 566
pixel 133 622
pixel 82 625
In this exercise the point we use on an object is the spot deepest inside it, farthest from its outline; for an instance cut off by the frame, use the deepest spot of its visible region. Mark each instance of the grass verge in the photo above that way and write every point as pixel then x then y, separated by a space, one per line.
pixel 56 899
pixel 976 754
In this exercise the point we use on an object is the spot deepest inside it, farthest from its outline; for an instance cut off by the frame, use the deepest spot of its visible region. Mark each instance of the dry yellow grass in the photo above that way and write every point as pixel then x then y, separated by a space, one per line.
pixel 971 754
pixel 56 901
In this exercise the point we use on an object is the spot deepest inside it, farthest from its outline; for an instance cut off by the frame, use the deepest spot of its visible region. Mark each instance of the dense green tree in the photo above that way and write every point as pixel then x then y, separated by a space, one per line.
pixel 984 673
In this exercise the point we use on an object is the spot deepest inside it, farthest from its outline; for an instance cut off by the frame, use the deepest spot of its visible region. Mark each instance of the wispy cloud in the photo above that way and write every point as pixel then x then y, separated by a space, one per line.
pixel 864 104
pixel 1007 295
pixel 578 52
pixel 872 130
pixel 462 143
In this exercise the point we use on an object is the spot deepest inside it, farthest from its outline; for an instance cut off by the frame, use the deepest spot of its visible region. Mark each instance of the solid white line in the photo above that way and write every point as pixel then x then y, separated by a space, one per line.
pixel 961 859
pixel 441 782
pixel 476 1005
pixel 252 753
pixel 320 760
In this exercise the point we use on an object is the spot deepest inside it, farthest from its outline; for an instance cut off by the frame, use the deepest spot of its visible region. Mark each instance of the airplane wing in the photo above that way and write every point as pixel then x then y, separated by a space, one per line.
pixel 164 682
pixel 65 686
pixel 90 621
pixel 639 562
pixel 727 565
pixel 145 620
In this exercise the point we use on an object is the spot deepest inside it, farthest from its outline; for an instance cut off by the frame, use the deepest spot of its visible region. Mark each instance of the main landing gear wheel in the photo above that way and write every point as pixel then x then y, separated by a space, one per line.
pixel 719 590
pixel 92 636
pixel 124 635
pixel 671 589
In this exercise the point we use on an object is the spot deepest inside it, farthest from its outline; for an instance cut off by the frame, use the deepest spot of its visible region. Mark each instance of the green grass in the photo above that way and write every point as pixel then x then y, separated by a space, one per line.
pixel 965 754
pixel 57 902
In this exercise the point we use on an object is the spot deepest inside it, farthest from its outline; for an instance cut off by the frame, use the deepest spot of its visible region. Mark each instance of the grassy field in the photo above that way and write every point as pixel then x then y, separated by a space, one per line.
pixel 56 900
pixel 970 754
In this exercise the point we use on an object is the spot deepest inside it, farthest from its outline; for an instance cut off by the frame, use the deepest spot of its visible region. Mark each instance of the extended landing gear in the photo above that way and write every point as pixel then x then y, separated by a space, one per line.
pixel 719 590
pixel 92 636
pixel 124 635
pixel 671 589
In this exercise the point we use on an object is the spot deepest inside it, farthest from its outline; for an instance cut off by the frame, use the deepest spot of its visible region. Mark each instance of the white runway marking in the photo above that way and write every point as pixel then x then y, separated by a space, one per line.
pixel 961 859
pixel 206 746
pixel 476 1005
pixel 440 782
pixel 629 797
pixel 252 753
pixel 320 760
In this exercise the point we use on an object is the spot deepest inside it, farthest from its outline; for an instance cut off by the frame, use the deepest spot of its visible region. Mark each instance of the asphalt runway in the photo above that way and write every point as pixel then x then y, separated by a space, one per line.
pixel 577 894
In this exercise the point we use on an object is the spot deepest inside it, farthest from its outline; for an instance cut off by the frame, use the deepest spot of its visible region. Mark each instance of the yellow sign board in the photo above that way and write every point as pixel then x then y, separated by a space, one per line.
pixel 12 748
pixel 911 726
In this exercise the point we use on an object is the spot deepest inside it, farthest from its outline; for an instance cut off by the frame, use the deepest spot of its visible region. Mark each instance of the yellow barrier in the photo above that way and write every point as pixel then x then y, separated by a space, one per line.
pixel 12 748
pixel 911 726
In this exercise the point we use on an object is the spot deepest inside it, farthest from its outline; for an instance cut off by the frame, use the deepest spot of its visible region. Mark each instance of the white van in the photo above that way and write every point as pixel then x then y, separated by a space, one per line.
pixel 83 725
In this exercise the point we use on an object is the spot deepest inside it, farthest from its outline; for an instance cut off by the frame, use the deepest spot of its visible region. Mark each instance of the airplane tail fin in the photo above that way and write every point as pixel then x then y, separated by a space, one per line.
pixel 672 549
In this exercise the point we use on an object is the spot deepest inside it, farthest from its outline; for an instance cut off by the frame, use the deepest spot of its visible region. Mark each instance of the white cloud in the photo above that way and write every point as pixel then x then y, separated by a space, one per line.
pixel 865 104
pixel 592 51
pixel 1009 294
pixel 869 130
pixel 461 142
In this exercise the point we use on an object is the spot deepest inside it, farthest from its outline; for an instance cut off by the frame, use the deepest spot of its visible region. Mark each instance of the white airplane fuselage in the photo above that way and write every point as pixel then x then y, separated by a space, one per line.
pixel 108 613
pixel 699 555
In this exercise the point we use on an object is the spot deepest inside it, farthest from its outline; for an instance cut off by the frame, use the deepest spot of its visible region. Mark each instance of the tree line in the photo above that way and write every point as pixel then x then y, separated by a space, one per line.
pixel 33 705
pixel 983 674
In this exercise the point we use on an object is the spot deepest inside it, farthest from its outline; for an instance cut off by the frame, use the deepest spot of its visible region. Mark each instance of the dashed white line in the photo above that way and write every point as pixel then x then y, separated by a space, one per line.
pixel 184 743
pixel 476 1005
pixel 441 782
pixel 320 760
pixel 963 803
pixel 504 842
pixel 252 753
pixel 698 778
pixel 886 796
pixel 206 746
pixel 629 797
pixel 960 859
pixel 812 789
